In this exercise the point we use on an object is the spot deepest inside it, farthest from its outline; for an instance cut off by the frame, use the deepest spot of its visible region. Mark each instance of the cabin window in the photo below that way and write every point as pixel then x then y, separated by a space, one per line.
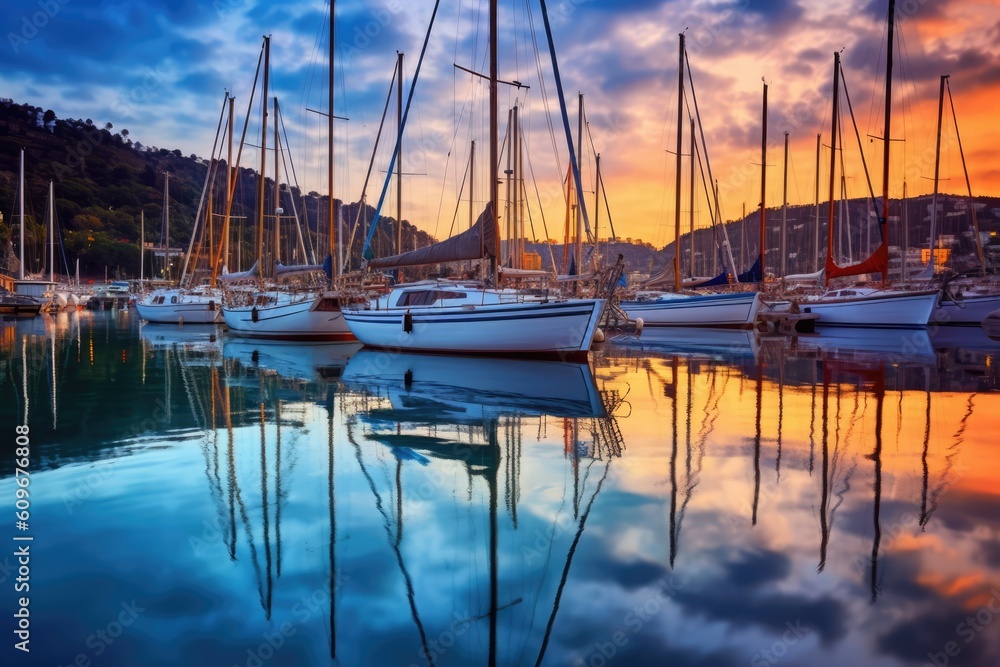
pixel 427 297
pixel 328 305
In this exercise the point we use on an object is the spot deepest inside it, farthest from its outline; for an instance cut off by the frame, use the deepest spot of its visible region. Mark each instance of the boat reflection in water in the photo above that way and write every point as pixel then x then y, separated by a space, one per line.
pixel 290 360
pixel 409 509
pixel 718 343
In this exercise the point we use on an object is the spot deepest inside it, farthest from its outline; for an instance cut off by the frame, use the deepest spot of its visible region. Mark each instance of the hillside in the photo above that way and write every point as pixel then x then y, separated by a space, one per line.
pixel 104 178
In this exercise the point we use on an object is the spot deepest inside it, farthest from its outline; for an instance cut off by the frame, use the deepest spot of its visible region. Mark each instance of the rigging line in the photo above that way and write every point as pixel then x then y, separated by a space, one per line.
pixel 395 547
pixel 542 88
pixel 209 177
pixel 716 216
pixel 541 209
pixel 458 203
pixel 371 162
pixel 861 148
pixel 367 252
pixel 573 158
pixel 569 562
pixel 287 153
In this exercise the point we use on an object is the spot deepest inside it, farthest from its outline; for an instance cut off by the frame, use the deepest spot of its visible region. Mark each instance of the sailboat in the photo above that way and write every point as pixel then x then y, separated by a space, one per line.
pixel 174 305
pixel 468 317
pixel 961 303
pixel 734 309
pixel 867 306
pixel 307 315
pixel 26 300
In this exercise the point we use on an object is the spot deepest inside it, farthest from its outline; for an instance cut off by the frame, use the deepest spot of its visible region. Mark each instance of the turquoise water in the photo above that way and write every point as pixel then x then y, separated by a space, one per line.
pixel 698 498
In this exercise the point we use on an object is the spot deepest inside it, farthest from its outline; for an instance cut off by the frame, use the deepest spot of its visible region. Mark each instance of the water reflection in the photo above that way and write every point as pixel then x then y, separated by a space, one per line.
pixel 694 495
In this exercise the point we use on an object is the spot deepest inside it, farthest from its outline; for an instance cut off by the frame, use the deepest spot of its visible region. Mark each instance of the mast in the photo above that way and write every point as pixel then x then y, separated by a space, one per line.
pixel 166 224
pixel 277 188
pixel 677 179
pixel 399 152
pixel 263 159
pixel 20 219
pixel 888 134
pixel 833 164
pixel 334 268
pixel 597 192
pixel 763 182
pixel 494 123
pixel 508 172
pixel 229 189
pixel 816 231
pixel 968 184
pixel 904 222
pixel 516 202
pixel 52 238
pixel 142 245
pixel 784 211
pixel 937 169
pixel 579 196
pixel 691 260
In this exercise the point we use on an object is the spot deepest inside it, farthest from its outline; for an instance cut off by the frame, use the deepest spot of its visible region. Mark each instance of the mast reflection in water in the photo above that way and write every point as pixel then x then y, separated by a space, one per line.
pixel 687 498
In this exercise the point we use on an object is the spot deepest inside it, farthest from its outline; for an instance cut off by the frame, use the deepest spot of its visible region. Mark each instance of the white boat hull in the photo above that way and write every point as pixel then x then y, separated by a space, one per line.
pixel 200 311
pixel 894 310
pixel 556 328
pixel 294 321
pixel 970 310
pixel 710 310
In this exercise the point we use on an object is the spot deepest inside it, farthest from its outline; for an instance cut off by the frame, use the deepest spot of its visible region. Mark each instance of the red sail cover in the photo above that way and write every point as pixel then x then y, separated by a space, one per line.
pixel 878 262
pixel 477 242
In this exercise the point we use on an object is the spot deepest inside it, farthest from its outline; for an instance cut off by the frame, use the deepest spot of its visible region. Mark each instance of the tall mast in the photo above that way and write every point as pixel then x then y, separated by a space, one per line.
pixel 277 188
pixel 399 152
pixel 230 173
pixel 968 184
pixel 334 268
pixel 494 125
pixel 816 231
pixel 508 172
pixel 888 134
pixel 263 161
pixel 20 217
pixel 937 169
pixel 515 202
pixel 833 163
pixel 691 201
pixel 166 224
pixel 142 245
pixel 763 183
pixel 52 238
pixel 519 182
pixel 579 195
pixel 784 211
pixel 677 179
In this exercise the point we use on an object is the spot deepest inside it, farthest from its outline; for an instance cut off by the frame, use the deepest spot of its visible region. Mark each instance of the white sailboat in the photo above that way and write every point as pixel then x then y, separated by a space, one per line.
pixel 682 309
pixel 306 315
pixel 469 317
pixel 867 306
pixel 175 305
pixel 964 302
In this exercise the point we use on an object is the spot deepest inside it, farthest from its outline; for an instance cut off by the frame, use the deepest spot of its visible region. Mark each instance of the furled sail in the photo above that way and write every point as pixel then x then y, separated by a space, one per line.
pixel 250 274
pixel 477 242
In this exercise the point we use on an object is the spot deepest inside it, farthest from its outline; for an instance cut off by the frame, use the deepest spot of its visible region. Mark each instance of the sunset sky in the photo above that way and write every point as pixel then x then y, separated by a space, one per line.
pixel 160 69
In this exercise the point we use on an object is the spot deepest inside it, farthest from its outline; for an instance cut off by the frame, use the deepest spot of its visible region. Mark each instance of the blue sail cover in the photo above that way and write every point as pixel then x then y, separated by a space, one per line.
pixel 477 242
pixel 754 275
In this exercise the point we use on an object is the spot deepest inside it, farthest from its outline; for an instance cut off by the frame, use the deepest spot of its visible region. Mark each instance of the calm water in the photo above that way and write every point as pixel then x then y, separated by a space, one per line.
pixel 696 499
